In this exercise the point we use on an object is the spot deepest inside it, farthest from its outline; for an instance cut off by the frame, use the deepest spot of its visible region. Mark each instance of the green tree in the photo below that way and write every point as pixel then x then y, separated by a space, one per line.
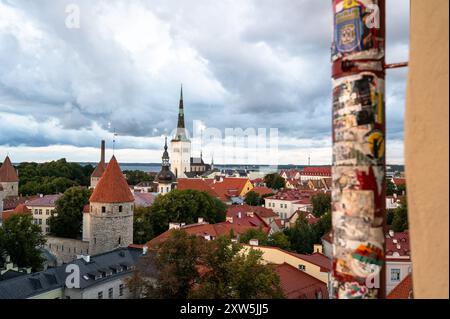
pixel 389 216
pixel 67 218
pixel 21 240
pixel 254 233
pixel 400 219
pixel 185 206
pixel 279 239
pixel 390 188
pixel 322 227
pixel 302 236
pixel 321 204
pixel 231 273
pixel 142 226
pixel 274 181
pixel 52 177
pixel 253 199
pixel 136 176
pixel 401 190
pixel 176 263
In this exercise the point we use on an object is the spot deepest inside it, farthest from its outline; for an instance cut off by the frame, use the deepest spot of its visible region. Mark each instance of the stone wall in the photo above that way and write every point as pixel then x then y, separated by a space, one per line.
pixel 66 249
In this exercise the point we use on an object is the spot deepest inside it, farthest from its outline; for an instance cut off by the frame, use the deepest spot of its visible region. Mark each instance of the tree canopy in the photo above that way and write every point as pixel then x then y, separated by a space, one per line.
pixel 21 240
pixel 400 217
pixel 185 206
pixel 67 218
pixel 142 226
pixel 253 199
pixel 274 181
pixel 136 176
pixel 52 177
pixel 321 204
pixel 191 267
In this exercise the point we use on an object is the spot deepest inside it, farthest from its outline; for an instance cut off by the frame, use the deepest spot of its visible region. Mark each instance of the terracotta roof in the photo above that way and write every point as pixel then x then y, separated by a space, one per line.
pixel 198 184
pixel 99 170
pixel 112 187
pixel 397 245
pixel 245 215
pixel 205 229
pixel 44 201
pixel 261 190
pixel 300 196
pixel 317 171
pixel 297 284
pixel 8 172
pixel 317 259
pixel 399 181
pixel 404 290
pixel 21 209
pixel 229 187
pixel 11 202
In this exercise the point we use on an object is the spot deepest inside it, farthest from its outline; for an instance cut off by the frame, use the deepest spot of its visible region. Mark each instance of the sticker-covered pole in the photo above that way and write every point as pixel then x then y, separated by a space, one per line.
pixel 358 196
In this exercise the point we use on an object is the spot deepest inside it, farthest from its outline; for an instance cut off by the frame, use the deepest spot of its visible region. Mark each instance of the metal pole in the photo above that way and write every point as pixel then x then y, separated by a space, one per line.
pixel 358 197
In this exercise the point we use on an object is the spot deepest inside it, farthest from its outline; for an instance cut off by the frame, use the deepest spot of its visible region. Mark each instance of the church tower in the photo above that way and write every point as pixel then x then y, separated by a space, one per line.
pixel 181 145
pixel 166 179
pixel 110 221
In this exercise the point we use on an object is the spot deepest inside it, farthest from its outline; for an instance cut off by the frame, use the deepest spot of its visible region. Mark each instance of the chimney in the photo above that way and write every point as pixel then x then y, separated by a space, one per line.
pixel 239 215
pixel 250 214
pixel 174 226
pixel 102 156
pixel 391 233
pixel 229 219
pixel 318 248
pixel 253 242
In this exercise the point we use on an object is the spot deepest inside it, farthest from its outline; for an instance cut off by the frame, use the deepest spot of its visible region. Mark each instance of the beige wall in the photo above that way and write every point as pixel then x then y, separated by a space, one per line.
pixel 426 147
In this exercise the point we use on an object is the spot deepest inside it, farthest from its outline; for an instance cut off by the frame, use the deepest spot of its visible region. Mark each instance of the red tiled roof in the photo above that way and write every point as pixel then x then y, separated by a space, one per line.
pixel 11 202
pixel 404 290
pixel 300 196
pixel 316 171
pixel 198 184
pixel 297 284
pixel 399 181
pixel 112 187
pixel 317 259
pixel 309 216
pixel 213 230
pixel 229 187
pixel 399 243
pixel 240 215
pixel 8 172
pixel 261 190
pixel 99 170
pixel 44 201
pixel 21 209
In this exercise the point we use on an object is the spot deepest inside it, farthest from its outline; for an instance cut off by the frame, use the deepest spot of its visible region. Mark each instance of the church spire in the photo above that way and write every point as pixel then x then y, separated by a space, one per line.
pixel 181 110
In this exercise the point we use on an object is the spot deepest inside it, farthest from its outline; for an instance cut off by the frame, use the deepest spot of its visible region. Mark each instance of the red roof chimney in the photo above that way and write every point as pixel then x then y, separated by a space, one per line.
pixel 112 187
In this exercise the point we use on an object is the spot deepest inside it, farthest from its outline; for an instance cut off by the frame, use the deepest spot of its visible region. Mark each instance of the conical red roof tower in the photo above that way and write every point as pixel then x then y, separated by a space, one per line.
pixel 112 187
pixel 8 172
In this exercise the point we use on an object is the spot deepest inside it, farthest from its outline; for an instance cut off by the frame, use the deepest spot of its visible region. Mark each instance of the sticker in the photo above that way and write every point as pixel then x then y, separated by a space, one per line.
pixel 367 260
pixel 355 290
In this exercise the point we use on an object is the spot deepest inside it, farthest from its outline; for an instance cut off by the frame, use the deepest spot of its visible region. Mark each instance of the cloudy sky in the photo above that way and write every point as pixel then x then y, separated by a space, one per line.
pixel 243 64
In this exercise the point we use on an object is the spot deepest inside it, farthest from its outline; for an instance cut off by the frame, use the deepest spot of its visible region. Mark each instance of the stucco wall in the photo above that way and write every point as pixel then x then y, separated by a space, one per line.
pixel 426 147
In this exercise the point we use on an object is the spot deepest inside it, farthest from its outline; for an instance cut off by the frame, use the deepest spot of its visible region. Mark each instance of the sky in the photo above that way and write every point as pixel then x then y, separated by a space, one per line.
pixel 65 84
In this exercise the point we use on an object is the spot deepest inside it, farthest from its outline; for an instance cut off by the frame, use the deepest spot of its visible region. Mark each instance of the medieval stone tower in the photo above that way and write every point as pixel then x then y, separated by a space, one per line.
pixel 181 145
pixel 109 224
pixel 9 181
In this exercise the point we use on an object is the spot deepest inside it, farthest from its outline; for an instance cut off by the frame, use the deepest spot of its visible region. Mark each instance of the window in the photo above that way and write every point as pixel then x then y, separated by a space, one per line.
pixel 100 295
pixel 36 211
pixel 40 221
pixel 103 209
pixel 120 239
pixel 121 290
pixel 395 274
pixel 302 267
pixel 47 212
pixel 120 208
pixel 110 293
pixel 47 222
pixel 47 229
pixel 40 211
pixel 319 295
